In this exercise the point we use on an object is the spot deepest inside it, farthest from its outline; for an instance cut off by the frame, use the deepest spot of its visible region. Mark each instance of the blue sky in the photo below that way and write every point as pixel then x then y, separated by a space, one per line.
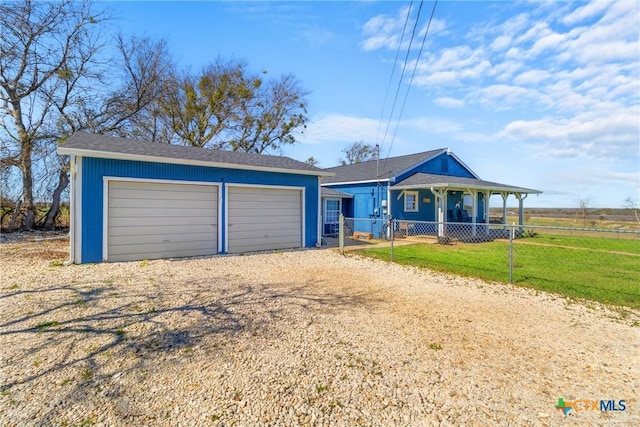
pixel 543 95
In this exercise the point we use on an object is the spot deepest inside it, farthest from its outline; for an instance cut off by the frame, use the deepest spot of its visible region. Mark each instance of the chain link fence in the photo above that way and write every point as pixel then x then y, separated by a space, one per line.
pixel 548 256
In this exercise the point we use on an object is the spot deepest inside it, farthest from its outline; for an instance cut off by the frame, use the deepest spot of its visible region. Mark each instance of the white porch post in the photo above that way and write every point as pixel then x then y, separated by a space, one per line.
pixel 521 198
pixel 474 212
pixel 487 196
pixel 441 196
pixel 504 208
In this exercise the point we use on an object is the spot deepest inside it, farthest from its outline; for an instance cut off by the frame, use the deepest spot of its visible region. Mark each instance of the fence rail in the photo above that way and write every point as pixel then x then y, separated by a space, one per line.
pixel 548 255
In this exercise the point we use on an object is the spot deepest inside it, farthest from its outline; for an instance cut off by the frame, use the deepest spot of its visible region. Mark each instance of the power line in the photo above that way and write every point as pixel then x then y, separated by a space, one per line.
pixel 395 62
pixel 406 58
pixel 413 74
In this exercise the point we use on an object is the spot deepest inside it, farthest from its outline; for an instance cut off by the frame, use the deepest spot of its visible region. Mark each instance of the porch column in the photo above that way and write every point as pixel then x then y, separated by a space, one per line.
pixel 504 208
pixel 441 196
pixel 487 196
pixel 474 211
pixel 521 198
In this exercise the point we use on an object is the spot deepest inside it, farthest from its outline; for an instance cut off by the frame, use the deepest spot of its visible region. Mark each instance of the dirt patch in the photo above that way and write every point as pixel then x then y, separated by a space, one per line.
pixel 298 338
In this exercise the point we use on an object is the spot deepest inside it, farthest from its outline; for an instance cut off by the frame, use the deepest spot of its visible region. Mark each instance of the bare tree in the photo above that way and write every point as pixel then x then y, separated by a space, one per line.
pixel 56 79
pixel 583 209
pixel 632 205
pixel 46 50
pixel 359 152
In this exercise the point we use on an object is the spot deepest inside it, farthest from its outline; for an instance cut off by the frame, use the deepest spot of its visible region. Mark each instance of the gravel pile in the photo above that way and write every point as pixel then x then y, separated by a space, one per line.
pixel 298 338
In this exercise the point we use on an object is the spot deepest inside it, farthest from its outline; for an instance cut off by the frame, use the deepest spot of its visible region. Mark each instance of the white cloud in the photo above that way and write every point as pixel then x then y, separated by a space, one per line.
pixel 531 77
pixel 588 11
pixel 335 128
pixel 385 32
pixel 604 137
pixel 501 42
pixel 449 102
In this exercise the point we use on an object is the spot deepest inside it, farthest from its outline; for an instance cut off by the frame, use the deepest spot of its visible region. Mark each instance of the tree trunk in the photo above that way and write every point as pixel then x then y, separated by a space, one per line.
pixel 27 185
pixel 63 181
pixel 14 216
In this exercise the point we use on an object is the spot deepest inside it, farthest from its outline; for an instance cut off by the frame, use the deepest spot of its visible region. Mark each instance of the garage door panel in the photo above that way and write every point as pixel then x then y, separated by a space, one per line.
pixel 275 201
pixel 253 244
pixel 128 244
pixel 264 219
pixel 167 230
pixel 153 238
pixel 156 220
pixel 159 221
pixel 151 190
pixel 267 206
pixel 288 233
pixel 244 216
pixel 160 254
pixel 158 204
pixel 168 212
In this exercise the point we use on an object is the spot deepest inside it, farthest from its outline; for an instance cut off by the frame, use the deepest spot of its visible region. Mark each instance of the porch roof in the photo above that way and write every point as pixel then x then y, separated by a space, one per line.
pixel 428 180
pixel 330 192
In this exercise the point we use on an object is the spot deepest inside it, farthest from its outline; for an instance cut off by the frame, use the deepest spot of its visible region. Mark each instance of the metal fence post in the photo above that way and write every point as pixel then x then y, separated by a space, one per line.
pixel 341 233
pixel 391 235
pixel 512 232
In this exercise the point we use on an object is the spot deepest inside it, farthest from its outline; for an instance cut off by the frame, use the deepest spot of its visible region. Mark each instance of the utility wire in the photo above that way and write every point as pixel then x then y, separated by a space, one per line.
pixel 395 63
pixel 404 67
pixel 404 102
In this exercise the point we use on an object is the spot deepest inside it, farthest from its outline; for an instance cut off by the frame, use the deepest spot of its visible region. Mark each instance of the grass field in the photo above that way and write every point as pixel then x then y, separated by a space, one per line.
pixel 598 269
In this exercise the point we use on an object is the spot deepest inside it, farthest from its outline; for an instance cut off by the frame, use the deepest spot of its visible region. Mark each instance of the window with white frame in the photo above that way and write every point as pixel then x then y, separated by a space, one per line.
pixel 411 201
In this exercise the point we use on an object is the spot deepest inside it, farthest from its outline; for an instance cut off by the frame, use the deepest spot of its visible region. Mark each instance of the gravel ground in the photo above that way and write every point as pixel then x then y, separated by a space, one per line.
pixel 298 338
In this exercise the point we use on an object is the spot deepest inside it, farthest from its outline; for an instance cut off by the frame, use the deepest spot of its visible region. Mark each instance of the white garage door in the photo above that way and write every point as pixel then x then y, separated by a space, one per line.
pixel 264 218
pixel 160 220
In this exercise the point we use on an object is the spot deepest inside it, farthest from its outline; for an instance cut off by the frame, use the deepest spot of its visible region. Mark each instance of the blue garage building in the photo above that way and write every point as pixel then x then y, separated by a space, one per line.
pixel 134 200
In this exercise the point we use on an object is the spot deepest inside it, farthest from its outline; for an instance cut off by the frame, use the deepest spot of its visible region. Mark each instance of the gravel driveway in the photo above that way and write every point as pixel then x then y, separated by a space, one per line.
pixel 298 338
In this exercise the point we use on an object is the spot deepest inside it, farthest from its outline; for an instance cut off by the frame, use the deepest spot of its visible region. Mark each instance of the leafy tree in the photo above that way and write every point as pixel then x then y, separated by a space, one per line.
pixel 55 79
pixel 228 108
pixel 359 152
pixel 312 161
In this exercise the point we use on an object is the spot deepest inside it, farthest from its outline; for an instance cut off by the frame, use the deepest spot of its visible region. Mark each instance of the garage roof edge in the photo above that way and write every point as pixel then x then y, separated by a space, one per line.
pixel 106 147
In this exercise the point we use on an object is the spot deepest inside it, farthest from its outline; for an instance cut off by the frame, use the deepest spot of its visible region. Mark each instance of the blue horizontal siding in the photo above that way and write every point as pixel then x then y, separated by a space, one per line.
pixel 426 210
pixel 440 165
pixel 94 170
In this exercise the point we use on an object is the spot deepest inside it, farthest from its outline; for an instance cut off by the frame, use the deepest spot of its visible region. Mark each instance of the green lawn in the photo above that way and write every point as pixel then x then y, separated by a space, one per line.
pixel 587 270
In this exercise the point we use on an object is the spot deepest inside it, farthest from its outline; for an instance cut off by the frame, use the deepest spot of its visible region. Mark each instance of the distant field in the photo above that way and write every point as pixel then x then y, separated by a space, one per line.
pixel 604 218
pixel 599 269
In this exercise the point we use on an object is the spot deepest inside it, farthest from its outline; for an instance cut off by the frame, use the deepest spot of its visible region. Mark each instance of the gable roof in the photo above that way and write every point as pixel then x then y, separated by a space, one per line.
pixel 379 170
pixel 422 180
pixel 107 147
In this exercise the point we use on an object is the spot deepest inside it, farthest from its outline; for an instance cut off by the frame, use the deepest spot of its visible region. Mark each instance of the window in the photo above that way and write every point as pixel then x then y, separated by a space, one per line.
pixel 468 200
pixel 331 211
pixel 411 201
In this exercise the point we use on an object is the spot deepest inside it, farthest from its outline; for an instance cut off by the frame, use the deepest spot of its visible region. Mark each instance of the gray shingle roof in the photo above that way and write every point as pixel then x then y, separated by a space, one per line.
pixel 433 180
pixel 101 146
pixel 330 192
pixel 386 168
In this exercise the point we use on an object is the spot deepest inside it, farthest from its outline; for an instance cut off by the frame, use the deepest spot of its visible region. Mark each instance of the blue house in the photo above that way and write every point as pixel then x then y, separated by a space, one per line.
pixel 430 186
pixel 134 200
